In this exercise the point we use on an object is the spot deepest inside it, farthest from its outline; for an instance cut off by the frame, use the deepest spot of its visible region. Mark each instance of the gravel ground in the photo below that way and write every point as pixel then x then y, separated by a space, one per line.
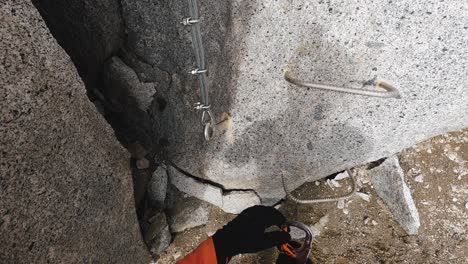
pixel 361 231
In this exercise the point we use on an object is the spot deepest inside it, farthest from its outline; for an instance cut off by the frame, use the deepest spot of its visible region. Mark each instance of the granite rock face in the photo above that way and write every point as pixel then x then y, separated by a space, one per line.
pixel 96 27
pixel 65 183
pixel 276 126
pixel 273 126
pixel 389 183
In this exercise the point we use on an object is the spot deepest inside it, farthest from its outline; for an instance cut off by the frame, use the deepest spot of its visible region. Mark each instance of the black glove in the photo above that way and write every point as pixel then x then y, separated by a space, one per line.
pixel 246 233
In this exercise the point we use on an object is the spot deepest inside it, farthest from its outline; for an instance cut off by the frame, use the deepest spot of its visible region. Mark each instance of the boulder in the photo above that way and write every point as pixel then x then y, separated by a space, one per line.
pixel 309 133
pixel 66 191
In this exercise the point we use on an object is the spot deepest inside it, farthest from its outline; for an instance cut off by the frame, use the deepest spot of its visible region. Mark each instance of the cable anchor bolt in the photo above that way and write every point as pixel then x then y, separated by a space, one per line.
pixel 200 106
pixel 197 71
pixel 189 21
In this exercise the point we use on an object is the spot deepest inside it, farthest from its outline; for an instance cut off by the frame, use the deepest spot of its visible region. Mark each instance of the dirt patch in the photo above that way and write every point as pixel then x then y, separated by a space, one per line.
pixel 364 231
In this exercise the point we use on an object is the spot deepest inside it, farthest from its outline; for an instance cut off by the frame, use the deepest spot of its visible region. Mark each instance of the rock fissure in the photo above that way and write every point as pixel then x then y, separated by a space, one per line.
pixel 231 201
pixel 209 182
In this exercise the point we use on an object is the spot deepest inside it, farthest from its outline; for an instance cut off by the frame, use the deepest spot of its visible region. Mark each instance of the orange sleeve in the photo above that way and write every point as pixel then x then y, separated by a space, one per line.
pixel 204 254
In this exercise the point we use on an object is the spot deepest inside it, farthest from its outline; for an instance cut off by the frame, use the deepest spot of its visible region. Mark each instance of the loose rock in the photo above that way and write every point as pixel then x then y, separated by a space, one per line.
pixel 341 176
pixel 419 179
pixel 364 196
pixel 157 188
pixel 161 242
pixel 158 237
pixel 316 229
pixel 142 164
pixel 340 204
pixel 137 150
pixel 389 183
pixel 366 220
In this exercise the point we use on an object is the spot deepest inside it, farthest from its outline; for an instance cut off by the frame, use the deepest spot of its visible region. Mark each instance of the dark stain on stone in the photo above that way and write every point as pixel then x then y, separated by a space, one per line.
pixel 31 246
pixel 164 142
pixel 318 113
pixel 370 82
pixel 162 103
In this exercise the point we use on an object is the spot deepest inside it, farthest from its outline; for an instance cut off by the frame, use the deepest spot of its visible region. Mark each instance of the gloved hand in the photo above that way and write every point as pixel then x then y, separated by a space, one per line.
pixel 246 233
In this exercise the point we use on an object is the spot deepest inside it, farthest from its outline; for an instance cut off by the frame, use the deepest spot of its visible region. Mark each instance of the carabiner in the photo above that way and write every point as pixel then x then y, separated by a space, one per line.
pixel 208 122
pixel 208 131
pixel 301 253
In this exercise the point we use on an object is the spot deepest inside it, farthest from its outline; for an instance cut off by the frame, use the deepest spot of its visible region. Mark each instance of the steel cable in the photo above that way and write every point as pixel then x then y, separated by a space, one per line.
pixel 207 117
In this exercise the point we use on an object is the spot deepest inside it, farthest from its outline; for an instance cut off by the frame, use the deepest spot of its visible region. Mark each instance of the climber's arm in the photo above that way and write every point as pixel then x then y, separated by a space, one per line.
pixel 204 254
pixel 244 234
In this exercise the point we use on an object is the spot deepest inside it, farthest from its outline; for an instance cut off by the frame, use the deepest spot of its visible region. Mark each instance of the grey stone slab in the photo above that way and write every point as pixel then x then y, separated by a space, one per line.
pixel 202 191
pixel 389 183
pixel 235 202
pixel 232 202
